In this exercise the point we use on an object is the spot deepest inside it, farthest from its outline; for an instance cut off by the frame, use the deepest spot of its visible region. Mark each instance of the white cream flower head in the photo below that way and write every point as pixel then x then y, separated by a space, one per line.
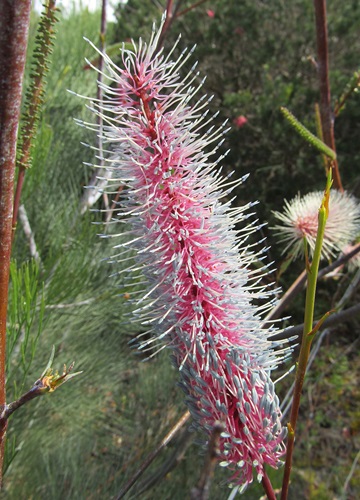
pixel 299 220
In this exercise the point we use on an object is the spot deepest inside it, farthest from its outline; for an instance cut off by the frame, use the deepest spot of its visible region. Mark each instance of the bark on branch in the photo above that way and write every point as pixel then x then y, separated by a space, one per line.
pixel 14 28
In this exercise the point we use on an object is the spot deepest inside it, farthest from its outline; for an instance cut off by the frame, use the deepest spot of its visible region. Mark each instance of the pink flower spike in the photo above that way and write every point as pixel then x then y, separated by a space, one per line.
pixel 200 287
pixel 210 13
pixel 240 121
pixel 300 220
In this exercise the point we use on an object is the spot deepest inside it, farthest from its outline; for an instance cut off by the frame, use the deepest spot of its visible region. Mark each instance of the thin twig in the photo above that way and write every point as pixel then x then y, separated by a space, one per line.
pixel 36 390
pixel 300 282
pixel 172 13
pixel 114 203
pixel 48 382
pixel 351 473
pixel 29 234
pixel 179 424
pixel 202 490
pixel 350 291
pixel 182 445
pixel 333 320
pixel 296 287
pixel 191 7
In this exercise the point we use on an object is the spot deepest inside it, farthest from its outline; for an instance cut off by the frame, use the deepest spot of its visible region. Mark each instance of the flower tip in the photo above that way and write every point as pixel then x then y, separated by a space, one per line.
pixel 240 121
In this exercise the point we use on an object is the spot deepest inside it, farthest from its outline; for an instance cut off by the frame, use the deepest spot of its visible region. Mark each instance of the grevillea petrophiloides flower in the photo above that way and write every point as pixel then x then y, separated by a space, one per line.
pixel 299 220
pixel 200 286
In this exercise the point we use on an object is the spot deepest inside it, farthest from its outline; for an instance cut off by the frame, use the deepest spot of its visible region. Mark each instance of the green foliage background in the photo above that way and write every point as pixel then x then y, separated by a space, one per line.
pixel 88 438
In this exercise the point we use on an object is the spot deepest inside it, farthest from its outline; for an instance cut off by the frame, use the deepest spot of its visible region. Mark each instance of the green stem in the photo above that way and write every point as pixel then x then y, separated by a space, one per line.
pixel 312 274
pixel 307 135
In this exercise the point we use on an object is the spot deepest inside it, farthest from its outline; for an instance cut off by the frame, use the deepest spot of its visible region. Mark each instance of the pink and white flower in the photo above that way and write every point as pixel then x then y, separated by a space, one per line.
pixel 299 220
pixel 199 283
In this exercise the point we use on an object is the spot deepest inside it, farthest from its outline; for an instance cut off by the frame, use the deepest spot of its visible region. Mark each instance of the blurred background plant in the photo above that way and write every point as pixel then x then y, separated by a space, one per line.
pixel 89 440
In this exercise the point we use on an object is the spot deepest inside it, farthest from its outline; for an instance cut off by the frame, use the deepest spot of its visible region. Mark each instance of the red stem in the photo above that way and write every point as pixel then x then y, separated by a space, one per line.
pixel 327 118
pixel 172 12
pixel 14 28
pixel 268 487
pixel 191 7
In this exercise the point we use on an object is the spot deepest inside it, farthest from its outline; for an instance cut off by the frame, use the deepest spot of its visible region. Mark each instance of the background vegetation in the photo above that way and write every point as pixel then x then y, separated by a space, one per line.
pixel 86 440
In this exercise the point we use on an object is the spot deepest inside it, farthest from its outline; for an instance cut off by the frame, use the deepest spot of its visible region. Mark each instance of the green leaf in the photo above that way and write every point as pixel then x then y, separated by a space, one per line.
pixel 307 135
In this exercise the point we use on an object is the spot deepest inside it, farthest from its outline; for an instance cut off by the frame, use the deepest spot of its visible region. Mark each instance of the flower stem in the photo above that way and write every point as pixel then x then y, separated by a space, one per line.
pixel 14 28
pixel 191 7
pixel 312 274
pixel 270 493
